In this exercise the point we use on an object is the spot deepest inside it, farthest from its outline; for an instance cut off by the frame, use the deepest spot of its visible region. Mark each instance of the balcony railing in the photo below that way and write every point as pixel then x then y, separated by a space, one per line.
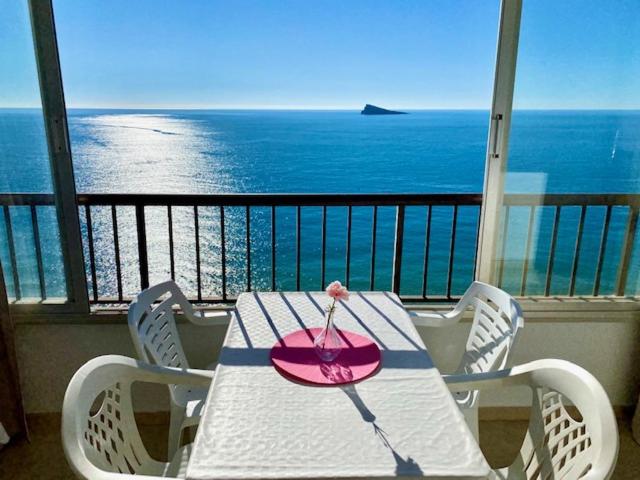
pixel 261 236
pixel 607 223
pixel 422 246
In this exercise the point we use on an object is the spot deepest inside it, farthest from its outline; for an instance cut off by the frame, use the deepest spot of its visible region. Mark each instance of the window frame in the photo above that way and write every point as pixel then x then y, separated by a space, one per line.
pixel 498 139
pixel 55 115
pixel 61 165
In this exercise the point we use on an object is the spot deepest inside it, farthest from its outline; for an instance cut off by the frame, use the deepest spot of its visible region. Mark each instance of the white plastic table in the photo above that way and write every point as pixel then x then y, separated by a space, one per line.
pixel 400 422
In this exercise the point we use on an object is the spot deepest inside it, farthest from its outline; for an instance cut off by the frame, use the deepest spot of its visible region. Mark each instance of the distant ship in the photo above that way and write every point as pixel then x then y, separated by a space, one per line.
pixel 373 110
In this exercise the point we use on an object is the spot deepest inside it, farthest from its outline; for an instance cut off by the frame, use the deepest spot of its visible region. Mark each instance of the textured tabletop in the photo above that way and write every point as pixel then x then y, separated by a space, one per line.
pixel 400 422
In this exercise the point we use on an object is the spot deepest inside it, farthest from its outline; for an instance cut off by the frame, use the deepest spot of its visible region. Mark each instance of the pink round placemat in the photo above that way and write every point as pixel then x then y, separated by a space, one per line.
pixel 294 357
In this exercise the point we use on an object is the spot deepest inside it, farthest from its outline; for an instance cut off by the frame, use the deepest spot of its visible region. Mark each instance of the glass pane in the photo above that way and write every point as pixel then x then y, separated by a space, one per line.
pixel 265 97
pixel 29 235
pixel 575 130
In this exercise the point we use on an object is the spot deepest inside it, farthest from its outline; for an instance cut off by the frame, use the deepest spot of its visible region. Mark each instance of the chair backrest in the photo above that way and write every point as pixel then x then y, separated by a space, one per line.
pixel 497 321
pixel 557 445
pixel 153 325
pixel 105 441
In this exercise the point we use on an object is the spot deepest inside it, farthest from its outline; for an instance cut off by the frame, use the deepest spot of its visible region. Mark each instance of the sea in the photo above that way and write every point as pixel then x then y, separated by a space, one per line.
pixel 296 151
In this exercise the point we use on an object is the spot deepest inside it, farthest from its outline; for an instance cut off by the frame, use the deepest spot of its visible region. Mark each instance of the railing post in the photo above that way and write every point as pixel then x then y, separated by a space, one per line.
pixel 38 246
pixel 397 250
pixel 527 252
pixel 247 220
pixel 223 254
pixel 298 241
pixel 92 255
pixel 576 253
pixel 143 261
pixel 374 230
pixel 347 274
pixel 323 267
pixel 552 251
pixel 603 249
pixel 12 252
pixel 273 248
pixel 172 260
pixel 627 250
pixel 196 226
pixel 116 248
pixel 452 249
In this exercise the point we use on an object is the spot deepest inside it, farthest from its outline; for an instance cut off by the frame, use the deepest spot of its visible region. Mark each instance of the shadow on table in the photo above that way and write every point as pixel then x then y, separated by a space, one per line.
pixel 403 466
pixel 259 357
pixel 415 357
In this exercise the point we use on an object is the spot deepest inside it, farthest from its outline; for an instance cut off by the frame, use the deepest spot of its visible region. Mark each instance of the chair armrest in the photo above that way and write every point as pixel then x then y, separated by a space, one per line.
pixel 424 319
pixel 187 376
pixel 99 474
pixel 537 372
pixel 475 381
pixel 137 370
pixel 203 318
pixel 517 375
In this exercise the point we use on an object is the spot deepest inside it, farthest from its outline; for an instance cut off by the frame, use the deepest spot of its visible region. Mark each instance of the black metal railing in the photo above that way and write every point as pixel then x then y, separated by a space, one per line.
pixel 625 206
pixel 274 202
pixel 33 202
pixel 514 273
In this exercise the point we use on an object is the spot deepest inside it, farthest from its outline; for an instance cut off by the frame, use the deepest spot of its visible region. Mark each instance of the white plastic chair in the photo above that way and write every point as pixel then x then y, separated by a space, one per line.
pixel 106 445
pixel 497 321
pixel 556 445
pixel 155 336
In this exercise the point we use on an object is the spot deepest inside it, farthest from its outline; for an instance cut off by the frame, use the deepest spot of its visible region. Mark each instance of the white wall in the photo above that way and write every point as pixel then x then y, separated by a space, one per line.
pixel 609 350
pixel 49 354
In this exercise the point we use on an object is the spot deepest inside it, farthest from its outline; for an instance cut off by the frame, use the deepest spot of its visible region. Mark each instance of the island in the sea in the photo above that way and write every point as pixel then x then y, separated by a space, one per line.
pixel 373 110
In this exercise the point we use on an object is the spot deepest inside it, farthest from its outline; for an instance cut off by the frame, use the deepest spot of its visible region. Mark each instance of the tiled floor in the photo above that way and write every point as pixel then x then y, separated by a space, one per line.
pixel 43 457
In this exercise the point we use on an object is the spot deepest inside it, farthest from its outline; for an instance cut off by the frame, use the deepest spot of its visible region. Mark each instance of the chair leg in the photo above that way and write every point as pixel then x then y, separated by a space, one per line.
pixel 175 429
pixel 471 417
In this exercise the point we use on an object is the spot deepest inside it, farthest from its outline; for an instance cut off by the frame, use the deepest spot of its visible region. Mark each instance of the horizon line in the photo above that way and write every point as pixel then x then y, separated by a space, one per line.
pixel 316 108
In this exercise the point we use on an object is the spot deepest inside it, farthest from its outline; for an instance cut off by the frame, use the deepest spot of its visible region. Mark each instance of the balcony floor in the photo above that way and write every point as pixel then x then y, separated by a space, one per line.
pixel 43 457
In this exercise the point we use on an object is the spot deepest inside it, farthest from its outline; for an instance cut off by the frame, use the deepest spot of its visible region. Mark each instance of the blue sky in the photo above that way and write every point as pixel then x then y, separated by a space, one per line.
pixel 325 54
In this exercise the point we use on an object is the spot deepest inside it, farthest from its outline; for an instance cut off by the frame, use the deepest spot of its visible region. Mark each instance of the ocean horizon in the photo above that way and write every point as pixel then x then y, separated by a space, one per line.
pixel 320 151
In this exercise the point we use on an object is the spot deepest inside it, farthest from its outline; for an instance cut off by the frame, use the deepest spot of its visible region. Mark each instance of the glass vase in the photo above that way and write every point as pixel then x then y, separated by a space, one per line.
pixel 328 343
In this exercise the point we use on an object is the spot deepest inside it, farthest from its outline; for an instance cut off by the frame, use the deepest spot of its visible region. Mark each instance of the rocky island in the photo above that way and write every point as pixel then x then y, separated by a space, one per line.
pixel 373 110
